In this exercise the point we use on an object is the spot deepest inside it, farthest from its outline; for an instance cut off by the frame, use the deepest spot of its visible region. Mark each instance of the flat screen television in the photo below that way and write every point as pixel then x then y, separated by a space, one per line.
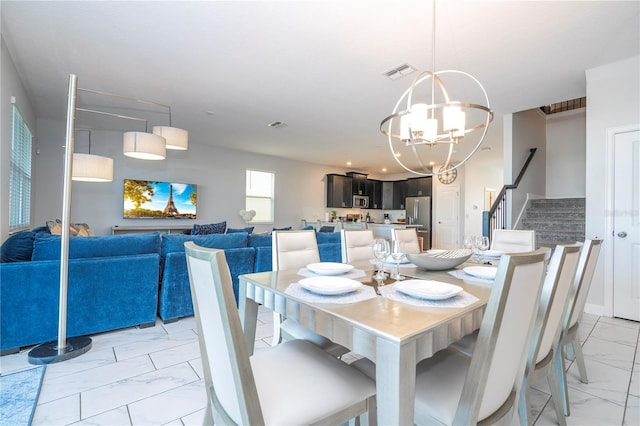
pixel 145 199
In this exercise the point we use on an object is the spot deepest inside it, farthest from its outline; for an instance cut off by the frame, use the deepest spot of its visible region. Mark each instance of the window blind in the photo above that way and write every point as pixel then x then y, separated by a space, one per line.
pixel 20 174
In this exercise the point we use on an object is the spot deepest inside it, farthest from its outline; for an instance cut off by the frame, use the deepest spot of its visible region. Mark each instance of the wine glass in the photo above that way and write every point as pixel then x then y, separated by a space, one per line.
pixel 397 255
pixel 468 242
pixel 380 252
pixel 482 244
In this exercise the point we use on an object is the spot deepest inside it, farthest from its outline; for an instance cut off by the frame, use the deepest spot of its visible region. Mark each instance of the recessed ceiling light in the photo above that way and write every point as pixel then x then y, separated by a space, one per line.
pixel 384 169
pixel 398 154
pixel 348 163
pixel 277 124
pixel 431 163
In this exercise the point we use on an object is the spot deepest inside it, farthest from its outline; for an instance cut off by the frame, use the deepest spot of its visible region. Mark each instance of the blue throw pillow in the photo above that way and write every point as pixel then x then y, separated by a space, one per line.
pixel 248 230
pixel 211 228
pixel 18 247
pixel 288 228
pixel 174 243
pixel 307 228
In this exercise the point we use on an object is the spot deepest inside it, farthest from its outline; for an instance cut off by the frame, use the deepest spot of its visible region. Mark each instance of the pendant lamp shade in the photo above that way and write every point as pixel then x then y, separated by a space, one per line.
pixel 92 168
pixel 176 138
pixel 144 146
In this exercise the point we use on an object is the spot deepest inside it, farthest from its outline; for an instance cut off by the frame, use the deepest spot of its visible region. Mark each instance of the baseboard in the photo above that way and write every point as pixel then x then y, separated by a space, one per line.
pixel 594 309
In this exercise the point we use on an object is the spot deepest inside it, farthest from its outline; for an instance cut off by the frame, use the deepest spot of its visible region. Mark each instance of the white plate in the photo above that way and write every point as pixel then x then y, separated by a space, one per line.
pixel 486 272
pixel 493 253
pixel 433 290
pixel 329 268
pixel 329 285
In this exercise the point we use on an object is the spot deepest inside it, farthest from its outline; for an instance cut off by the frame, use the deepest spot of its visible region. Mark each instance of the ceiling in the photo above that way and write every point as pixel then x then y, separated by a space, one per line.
pixel 227 69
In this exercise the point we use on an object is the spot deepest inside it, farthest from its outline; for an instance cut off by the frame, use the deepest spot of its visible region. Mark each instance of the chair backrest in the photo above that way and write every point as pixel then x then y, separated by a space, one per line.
pixel 408 240
pixel 356 245
pixel 230 385
pixel 294 249
pixel 513 241
pixel 497 366
pixel 582 282
pixel 558 282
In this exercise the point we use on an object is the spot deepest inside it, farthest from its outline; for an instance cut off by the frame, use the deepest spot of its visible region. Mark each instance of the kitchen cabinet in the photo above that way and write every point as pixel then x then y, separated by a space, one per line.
pixel 339 191
pixel 418 187
pixel 374 191
pixel 358 183
pixel 400 192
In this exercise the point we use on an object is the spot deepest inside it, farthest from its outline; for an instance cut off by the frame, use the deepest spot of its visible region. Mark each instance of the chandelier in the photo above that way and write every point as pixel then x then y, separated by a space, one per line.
pixel 434 122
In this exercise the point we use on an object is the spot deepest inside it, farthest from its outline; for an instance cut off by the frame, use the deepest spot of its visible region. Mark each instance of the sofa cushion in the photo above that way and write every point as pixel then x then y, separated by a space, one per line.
pixel 260 240
pixel 18 247
pixel 328 237
pixel 211 228
pixel 47 246
pixel 248 230
pixel 174 243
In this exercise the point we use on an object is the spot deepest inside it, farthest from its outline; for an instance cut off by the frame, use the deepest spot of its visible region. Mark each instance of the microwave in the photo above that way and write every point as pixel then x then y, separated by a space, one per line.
pixel 360 201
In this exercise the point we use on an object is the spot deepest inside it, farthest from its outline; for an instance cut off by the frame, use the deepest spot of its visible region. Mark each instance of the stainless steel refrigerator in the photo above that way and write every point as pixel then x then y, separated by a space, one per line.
pixel 419 213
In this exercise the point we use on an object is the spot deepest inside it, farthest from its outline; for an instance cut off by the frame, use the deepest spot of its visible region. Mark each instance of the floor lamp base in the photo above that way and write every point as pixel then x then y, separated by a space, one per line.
pixel 49 352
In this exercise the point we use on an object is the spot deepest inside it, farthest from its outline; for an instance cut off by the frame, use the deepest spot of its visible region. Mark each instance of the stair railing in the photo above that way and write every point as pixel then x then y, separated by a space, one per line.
pixel 496 217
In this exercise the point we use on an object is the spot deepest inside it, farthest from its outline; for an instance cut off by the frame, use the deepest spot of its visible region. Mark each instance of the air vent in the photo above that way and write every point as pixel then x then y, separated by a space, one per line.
pixel 399 71
pixel 277 124
pixel 564 106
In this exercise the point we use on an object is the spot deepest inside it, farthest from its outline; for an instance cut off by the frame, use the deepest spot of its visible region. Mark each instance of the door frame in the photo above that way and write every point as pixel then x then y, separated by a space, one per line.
pixel 609 218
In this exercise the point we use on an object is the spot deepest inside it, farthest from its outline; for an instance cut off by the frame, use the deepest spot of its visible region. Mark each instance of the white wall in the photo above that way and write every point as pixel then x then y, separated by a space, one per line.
pixel 523 131
pixel 219 174
pixel 10 85
pixel 613 100
pixel 566 154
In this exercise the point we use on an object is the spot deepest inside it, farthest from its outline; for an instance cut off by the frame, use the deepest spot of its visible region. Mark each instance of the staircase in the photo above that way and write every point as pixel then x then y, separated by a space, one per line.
pixel 556 221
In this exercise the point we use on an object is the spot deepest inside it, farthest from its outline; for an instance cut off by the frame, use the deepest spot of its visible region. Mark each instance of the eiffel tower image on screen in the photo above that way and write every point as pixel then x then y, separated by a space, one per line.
pixel 171 209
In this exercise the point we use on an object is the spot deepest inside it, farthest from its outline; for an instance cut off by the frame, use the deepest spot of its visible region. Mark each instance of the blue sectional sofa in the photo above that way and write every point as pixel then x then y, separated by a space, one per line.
pixel 245 254
pixel 115 281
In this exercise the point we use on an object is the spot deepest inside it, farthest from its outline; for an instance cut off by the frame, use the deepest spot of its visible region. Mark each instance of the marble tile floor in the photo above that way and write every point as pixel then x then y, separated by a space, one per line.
pixel 153 376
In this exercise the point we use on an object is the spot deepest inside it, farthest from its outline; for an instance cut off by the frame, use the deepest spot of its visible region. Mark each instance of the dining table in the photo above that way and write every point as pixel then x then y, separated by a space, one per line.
pixel 391 331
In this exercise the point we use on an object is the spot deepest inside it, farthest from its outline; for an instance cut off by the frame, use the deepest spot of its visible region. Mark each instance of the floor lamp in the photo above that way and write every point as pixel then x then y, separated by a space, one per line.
pixel 63 348
pixel 142 145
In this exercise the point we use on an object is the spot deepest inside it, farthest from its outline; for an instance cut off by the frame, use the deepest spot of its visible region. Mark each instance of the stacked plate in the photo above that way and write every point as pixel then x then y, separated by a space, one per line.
pixel 329 268
pixel 431 290
pixel 492 255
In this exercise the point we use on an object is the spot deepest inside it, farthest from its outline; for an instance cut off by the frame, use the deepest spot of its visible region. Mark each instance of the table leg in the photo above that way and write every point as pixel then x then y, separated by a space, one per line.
pixel 395 382
pixel 248 310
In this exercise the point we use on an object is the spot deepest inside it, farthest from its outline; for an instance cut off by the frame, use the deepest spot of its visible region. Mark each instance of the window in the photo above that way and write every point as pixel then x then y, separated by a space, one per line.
pixel 260 195
pixel 20 174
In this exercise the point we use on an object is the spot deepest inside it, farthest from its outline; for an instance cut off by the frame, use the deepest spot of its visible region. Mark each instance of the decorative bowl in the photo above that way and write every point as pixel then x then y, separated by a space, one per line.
pixel 448 259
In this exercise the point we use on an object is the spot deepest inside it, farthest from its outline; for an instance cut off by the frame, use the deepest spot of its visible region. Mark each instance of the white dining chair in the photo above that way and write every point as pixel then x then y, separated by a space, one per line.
pixel 356 245
pixel 293 383
pixel 408 239
pixel 570 339
pixel 513 240
pixel 558 282
pixel 294 250
pixel 453 388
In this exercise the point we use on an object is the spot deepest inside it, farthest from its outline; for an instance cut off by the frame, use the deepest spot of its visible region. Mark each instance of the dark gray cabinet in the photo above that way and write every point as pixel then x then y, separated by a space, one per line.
pixel 339 191
pixel 358 183
pixel 418 187
pixel 400 192
pixel 374 191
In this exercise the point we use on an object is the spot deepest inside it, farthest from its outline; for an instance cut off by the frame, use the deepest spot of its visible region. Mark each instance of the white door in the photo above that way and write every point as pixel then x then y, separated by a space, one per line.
pixel 626 226
pixel 446 231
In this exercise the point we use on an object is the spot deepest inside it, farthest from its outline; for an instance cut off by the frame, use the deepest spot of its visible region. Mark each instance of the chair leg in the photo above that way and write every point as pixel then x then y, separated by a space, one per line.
pixel 577 350
pixel 208 416
pixel 556 396
pixel 277 333
pixel 524 405
pixel 561 379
